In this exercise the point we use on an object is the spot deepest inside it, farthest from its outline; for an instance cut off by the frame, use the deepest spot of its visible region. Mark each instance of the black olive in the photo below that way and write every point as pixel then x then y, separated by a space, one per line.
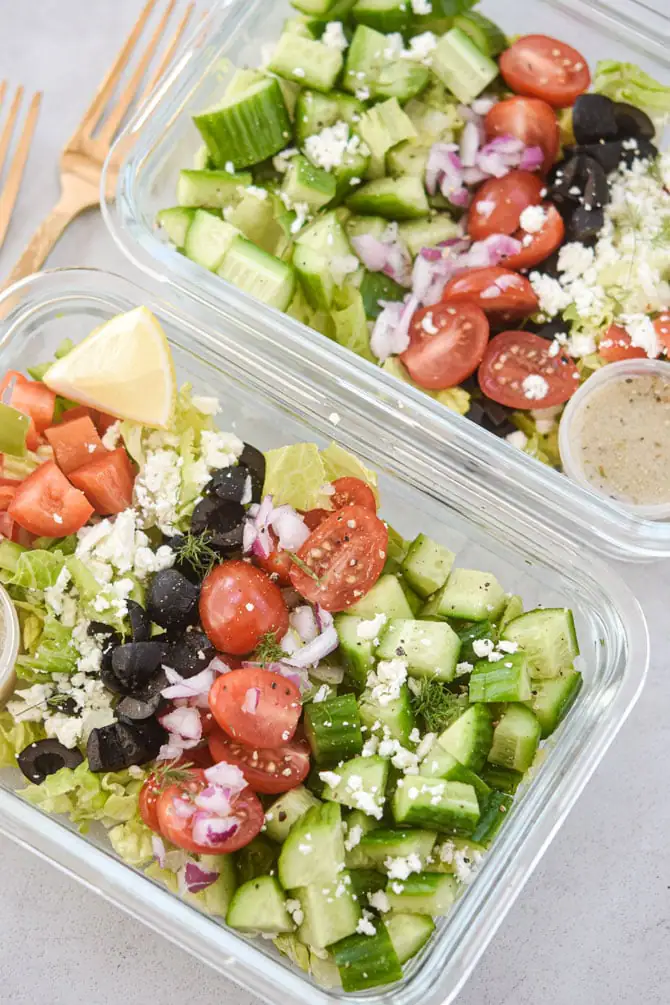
pixel 594 119
pixel 65 705
pixel 46 757
pixel 172 600
pixel 190 654
pixel 254 461
pixel 136 663
pixel 223 521
pixel 565 180
pixel 228 484
pixel 103 749
pixel 119 745
pixel 491 416
pixel 632 121
pixel 140 624
pixel 580 179
pixel 132 709
pixel 585 225
pixel 596 187
pixel 617 152
pixel 182 565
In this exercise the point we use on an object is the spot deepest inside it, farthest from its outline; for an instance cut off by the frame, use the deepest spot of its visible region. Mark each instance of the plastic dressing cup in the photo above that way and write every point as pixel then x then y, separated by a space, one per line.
pixel 9 645
pixel 573 430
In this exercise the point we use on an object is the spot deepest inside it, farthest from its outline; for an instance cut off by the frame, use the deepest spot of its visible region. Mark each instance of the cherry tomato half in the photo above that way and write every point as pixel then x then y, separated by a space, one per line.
pixel 277 564
pixel 239 604
pixel 530 120
pixel 518 371
pixel 504 296
pixel 447 343
pixel 245 807
pixel 353 492
pixel 540 245
pixel 499 203
pixel 345 556
pixel 267 770
pixel 616 345
pixel 256 707
pixel 543 67
pixel 662 326
pixel 148 803
pixel 315 517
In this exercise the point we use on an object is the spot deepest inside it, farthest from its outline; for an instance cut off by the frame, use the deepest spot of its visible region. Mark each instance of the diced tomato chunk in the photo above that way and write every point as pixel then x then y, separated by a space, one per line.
pixel 107 481
pixel 47 504
pixel 75 444
pixel 36 400
pixel 79 412
pixel 7 493
pixel 104 421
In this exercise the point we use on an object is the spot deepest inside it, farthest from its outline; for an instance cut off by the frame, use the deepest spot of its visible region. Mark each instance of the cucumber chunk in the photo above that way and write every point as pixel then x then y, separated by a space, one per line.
pixel 513 609
pixel 361 226
pixel 393 198
pixel 551 699
pixel 351 324
pixel 409 933
pixel 368 70
pixel 427 565
pixel 305 183
pixel 175 222
pixel 248 127
pixel 208 239
pixel 459 64
pixel 385 597
pixel 397 716
pixel 330 912
pixel 507 679
pixel 383 15
pixel 448 807
pixel 515 739
pixel 258 858
pixel 430 648
pixel 366 881
pixel 381 844
pixel 326 235
pixel 315 112
pixel 382 128
pixel 418 234
pixel 260 275
pixel 315 277
pixel 356 826
pixel 494 814
pixel 306 62
pixel 548 638
pixel 440 763
pixel 259 906
pixel 469 738
pixel 313 852
pixel 470 634
pixel 486 35
pixel 286 810
pixel 356 651
pixel 367 961
pixel 255 218
pixel 410 157
pixel 209 189
pixel 333 729
pixel 376 287
pixel 470 595
pixel 413 599
pixel 429 893
pixel 315 7
pixel 454 854
pixel 361 784
pixel 502 779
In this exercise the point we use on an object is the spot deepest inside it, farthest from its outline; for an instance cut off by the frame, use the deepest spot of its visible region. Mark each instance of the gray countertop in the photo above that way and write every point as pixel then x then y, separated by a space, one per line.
pixel 592 925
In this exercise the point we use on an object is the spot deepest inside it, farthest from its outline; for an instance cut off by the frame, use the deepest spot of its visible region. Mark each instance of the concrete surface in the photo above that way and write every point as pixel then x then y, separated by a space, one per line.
pixel 592 925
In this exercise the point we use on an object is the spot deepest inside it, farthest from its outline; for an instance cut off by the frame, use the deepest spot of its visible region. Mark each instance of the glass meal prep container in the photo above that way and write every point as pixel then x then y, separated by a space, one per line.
pixel 162 139
pixel 273 394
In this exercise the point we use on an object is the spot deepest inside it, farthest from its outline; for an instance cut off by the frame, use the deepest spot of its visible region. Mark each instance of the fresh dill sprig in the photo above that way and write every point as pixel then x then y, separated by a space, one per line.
pixel 196 550
pixel 268 649
pixel 171 773
pixel 437 706
pixel 303 566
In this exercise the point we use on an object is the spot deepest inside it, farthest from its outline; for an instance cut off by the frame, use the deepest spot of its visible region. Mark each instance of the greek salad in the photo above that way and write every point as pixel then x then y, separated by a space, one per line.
pixel 296 719
pixel 478 215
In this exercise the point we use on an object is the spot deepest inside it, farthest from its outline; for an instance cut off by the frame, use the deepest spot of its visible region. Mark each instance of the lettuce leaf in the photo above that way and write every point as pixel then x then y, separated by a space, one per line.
pixel 296 475
pixel 38 569
pixel 217 897
pixel 297 952
pixel 628 82
pixel 54 653
pixel 132 842
pixel 15 737
pixel 542 446
pixel 83 796
pixel 339 463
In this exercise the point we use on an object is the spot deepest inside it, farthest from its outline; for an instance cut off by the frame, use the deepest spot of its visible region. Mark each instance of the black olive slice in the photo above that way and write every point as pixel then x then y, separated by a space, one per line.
pixel 594 119
pixel 254 461
pixel 45 757
pixel 172 600
pixel 632 121
pixel 135 663
pixel 190 654
pixel 617 152
pixel 596 186
pixel 585 225
pixel 140 624
pixel 223 521
pixel 104 750
pixel 229 484
pixel 132 709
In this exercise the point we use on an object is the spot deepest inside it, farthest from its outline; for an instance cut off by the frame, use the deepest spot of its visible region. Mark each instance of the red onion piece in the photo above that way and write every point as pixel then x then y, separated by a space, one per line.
pixel 251 700
pixel 159 850
pixel 390 334
pixel 290 528
pixel 185 722
pixel 209 830
pixel 483 105
pixel 218 665
pixel 214 799
pixel 431 254
pixel 183 808
pixel 371 251
pixel 191 687
pixel 532 159
pixel 197 879
pixel 227 776
pixel 388 255
pixel 324 644
pixel 305 622
pixel 470 141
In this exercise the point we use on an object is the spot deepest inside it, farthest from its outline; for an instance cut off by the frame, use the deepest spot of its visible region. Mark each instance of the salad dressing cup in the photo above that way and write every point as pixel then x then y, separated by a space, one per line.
pixel 10 635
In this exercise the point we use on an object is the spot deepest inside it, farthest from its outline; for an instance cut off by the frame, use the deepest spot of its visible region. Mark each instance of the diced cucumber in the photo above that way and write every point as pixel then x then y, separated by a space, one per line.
pixel 418 234
pixel 502 779
pixel 507 679
pixel 361 785
pixel 493 817
pixel 434 121
pixel 397 716
pixel 255 218
pixel 350 172
pixel 402 79
pixel 548 638
pixel 469 738
pixel 305 183
pixel 470 595
pixel 551 699
pixel 326 235
pixel 314 276
pixel 297 26
pixel 413 599
pixel 448 807
pixel 427 893
pixel 313 852
pixel 357 652
pixel 462 66
pixel 486 35
pixel 247 127
pixel 209 189
pixel 258 858
pixel 175 222
pixel 430 648
pixel 241 80
pixel 315 112
pixel 408 158
pixel 286 810
pixel 351 324
pixel 381 844
pixel 393 198
pixel 305 62
pixel 330 912
pixel 356 826
pixel 427 565
pixel 366 881
pixel 382 128
pixel 513 610
pixel 333 729
pixel 361 226
pixel 314 7
pixel 515 739
pixel 470 634
pixel 409 933
pixel 376 287
pixel 367 961
pixel 385 597
pixel 440 763
pixel 208 239
pixel 369 70
pixel 383 15
pixel 260 906
pixel 260 275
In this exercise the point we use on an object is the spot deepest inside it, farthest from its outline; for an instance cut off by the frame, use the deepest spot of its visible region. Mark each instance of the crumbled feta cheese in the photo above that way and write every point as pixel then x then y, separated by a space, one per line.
pixel 281 161
pixel 29 705
pixel 54 596
pixel 229 167
pixel 642 333
pixel 535 387
pixel 219 449
pixel 463 668
pixel 545 418
pixel 482 647
pixel 365 927
pixel 363 93
pixel 447 852
pixel 508 647
pixel 368 803
pixel 334 36
pixel 157 487
pixel 342 266
pixel 574 259
pixel 111 436
pixel 415 736
pixel 553 298
pixel 386 680
pixel 370 629
pixel 581 344
pixel 353 838
pixel 330 778
pixel 370 747
pixel 467 864
pixel 422 7
pixel 206 404
pixel 429 325
pixel 321 694
pixel 402 868
pixel 425 746
pixel 517 439
pixel 395 44
pixel 379 901
pixel 421 48
pixel 533 219
pixel 294 908
pixel 301 217
pixel 328 148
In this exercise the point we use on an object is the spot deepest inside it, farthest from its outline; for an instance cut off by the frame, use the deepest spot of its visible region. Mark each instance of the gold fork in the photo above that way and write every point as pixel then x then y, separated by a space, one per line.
pixel 83 157
pixel 9 193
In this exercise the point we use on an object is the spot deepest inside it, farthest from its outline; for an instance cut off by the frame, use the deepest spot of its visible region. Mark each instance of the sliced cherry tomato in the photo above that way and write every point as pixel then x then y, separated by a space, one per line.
pixel 239 604
pixel 36 400
pixel 7 493
pixel 47 504
pixel 148 802
pixel 504 296
pixel 662 326
pixel 256 707
pixel 104 421
pixel 543 67
pixel 80 412
pixel 11 530
pixel 11 482
pixel 538 246
pixel 277 564
pixel 107 481
pixel 616 345
pixel 345 556
pixel 245 807
pixel 447 343
pixel 517 369
pixel 74 443
pixel 530 120
pixel 269 770
pixel 315 517
pixel 353 492
pixel 499 203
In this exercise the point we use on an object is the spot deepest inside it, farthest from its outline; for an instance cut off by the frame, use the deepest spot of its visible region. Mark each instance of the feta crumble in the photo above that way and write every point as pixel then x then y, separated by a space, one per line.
pixel 386 680
pixel 533 219
pixel 370 629
pixel 379 901
pixel 334 36
pixel 402 868
pixel 535 387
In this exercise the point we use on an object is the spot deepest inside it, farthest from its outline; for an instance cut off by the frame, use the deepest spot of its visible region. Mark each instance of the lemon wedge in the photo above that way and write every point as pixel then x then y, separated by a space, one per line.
pixel 124 368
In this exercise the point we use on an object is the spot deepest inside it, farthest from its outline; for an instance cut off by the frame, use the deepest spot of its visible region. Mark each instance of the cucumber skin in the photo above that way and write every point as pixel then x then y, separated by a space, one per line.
pixel 366 961
pixel 333 743
pixel 493 817
pixel 272 130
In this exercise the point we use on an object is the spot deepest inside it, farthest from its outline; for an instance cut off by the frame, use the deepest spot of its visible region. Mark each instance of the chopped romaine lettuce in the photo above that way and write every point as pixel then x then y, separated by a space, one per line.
pixel 15 737
pixel 132 842
pixel 84 796
pixel 628 82
pixel 297 952
pixel 54 653
pixel 296 475
pixel 38 570
pixel 339 463
pixel 542 446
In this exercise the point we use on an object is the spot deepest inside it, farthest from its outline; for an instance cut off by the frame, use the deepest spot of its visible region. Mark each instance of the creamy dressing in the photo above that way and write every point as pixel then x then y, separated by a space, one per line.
pixel 622 439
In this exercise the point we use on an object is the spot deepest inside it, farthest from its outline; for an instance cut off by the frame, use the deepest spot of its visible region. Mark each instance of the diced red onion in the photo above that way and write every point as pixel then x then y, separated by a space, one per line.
pixel 431 254
pixel 214 799
pixel 371 251
pixel 284 669
pixel 159 850
pixel 499 246
pixel 249 535
pixel 184 808
pixel 304 620
pixel 387 255
pixel 324 618
pixel 474 175
pixel 324 644
pixel 227 776
pixel 185 722
pixel 197 879
pixel 470 140
pixel 210 830
pixel 171 751
pixel 193 687
pixel 218 665
pixel 431 276
pixel 251 700
pixel 483 105
pixel 390 334
pixel 290 528
pixel 532 159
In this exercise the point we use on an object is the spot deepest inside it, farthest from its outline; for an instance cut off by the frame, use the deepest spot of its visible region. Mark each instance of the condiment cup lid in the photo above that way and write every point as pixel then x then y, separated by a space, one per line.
pixel 9 646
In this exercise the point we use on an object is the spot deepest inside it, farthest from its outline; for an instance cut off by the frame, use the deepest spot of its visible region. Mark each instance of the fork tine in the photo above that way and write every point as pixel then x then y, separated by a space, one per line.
pixel 125 99
pixel 11 190
pixel 169 53
pixel 93 113
pixel 9 125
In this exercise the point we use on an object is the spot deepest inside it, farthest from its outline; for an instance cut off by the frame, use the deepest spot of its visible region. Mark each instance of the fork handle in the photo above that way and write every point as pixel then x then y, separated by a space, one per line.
pixel 46 236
